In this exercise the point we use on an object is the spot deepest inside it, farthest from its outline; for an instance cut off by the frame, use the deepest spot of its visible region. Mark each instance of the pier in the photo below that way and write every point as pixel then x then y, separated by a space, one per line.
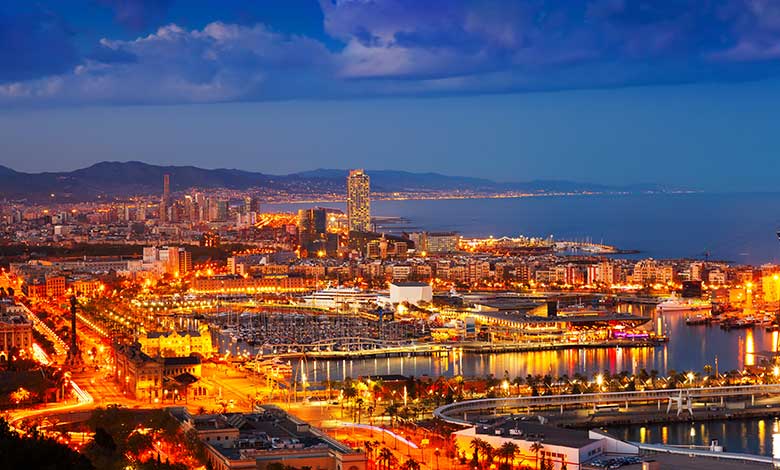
pixel 361 348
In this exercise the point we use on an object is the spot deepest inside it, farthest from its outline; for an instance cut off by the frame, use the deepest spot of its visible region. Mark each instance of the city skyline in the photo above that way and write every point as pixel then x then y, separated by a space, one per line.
pixel 389 234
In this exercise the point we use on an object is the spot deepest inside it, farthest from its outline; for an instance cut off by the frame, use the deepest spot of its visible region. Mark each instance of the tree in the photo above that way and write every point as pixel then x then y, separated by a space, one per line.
pixel 104 440
pixel 488 451
pixel 410 464
pixel 537 447
pixel 476 447
pixel 392 411
pixel 21 395
pixel 34 451
pixel 507 451
pixel 387 458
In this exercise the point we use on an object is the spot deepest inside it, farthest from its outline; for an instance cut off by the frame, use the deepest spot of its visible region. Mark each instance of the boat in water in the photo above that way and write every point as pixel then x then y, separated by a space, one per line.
pixel 698 319
pixel 675 304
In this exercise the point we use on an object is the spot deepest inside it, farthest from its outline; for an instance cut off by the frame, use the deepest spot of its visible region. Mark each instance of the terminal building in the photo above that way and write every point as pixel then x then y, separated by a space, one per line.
pixel 563 448
pixel 265 437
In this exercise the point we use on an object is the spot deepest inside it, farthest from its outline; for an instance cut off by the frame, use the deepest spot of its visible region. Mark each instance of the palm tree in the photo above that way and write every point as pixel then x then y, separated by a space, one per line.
pixel 508 450
pixel 410 464
pixel 369 446
pixel 537 447
pixel 392 411
pixel 489 452
pixel 386 456
pixel 476 445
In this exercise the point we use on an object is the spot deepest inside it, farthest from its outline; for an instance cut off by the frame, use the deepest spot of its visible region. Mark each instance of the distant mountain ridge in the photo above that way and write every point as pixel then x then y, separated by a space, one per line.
pixel 112 179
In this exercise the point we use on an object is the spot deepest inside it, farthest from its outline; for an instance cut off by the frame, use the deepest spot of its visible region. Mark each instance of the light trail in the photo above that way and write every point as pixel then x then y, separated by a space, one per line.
pixel 82 395
pixel 40 355
pixel 380 430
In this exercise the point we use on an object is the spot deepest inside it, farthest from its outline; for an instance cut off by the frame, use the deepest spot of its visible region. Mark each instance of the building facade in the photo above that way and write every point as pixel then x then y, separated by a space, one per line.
pixel 358 201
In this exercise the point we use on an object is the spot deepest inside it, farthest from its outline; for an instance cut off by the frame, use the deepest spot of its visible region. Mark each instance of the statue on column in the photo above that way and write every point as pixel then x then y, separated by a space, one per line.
pixel 74 355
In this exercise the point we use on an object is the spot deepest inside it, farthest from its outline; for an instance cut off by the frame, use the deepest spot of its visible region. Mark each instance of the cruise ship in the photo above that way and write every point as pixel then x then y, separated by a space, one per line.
pixel 675 304
pixel 342 298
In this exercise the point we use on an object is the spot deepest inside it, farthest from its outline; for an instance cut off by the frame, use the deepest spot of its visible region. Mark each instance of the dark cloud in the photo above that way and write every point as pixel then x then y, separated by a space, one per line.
pixel 410 47
pixel 34 43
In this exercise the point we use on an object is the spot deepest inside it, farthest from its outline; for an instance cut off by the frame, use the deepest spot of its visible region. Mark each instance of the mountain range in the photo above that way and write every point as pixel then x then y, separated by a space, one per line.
pixel 116 179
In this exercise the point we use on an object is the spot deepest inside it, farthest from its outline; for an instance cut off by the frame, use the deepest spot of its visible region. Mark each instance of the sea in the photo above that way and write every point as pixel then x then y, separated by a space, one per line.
pixel 740 228
pixel 737 227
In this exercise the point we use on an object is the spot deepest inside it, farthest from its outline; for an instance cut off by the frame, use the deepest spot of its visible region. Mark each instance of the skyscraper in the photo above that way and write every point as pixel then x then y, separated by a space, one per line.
pixel 166 186
pixel 166 198
pixel 312 225
pixel 358 201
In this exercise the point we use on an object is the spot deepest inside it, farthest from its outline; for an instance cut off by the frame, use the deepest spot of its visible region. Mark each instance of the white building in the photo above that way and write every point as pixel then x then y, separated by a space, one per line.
pixel 558 445
pixel 410 292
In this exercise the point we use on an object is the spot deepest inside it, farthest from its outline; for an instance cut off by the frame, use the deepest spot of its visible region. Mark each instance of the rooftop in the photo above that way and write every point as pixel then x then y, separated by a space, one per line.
pixel 529 430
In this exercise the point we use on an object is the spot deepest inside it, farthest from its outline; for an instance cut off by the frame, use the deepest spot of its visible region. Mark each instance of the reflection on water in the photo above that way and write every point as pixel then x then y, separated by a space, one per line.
pixel 689 348
pixel 745 436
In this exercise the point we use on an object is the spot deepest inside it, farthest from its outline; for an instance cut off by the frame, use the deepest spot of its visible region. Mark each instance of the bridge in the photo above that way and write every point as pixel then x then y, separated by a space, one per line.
pixel 680 398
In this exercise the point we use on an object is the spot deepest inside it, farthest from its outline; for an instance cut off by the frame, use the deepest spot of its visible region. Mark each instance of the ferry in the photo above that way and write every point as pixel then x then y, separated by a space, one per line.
pixel 346 298
pixel 683 305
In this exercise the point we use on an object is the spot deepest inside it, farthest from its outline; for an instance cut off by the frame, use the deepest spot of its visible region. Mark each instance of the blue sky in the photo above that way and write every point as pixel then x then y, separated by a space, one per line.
pixel 678 91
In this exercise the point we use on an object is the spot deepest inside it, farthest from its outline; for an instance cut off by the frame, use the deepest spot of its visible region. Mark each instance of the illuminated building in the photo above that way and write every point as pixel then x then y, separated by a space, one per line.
pixel 384 248
pixel 166 198
pixel 312 233
pixel 250 285
pixel 477 270
pixel 312 223
pixel 410 292
pixel 137 373
pixel 15 329
pixel 252 204
pixel 562 447
pixel 435 242
pixel 177 343
pixel 265 437
pixel 86 287
pixel 358 202
pixel 144 377
pixel 210 239
pixel 55 286
pixel 179 260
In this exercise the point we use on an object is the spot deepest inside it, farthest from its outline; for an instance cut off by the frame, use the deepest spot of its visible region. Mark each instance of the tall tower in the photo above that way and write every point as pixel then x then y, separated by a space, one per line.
pixel 74 355
pixel 166 198
pixel 166 186
pixel 358 201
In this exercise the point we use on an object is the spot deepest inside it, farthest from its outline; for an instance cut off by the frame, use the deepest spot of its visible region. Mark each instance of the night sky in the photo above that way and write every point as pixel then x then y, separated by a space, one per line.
pixel 682 92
